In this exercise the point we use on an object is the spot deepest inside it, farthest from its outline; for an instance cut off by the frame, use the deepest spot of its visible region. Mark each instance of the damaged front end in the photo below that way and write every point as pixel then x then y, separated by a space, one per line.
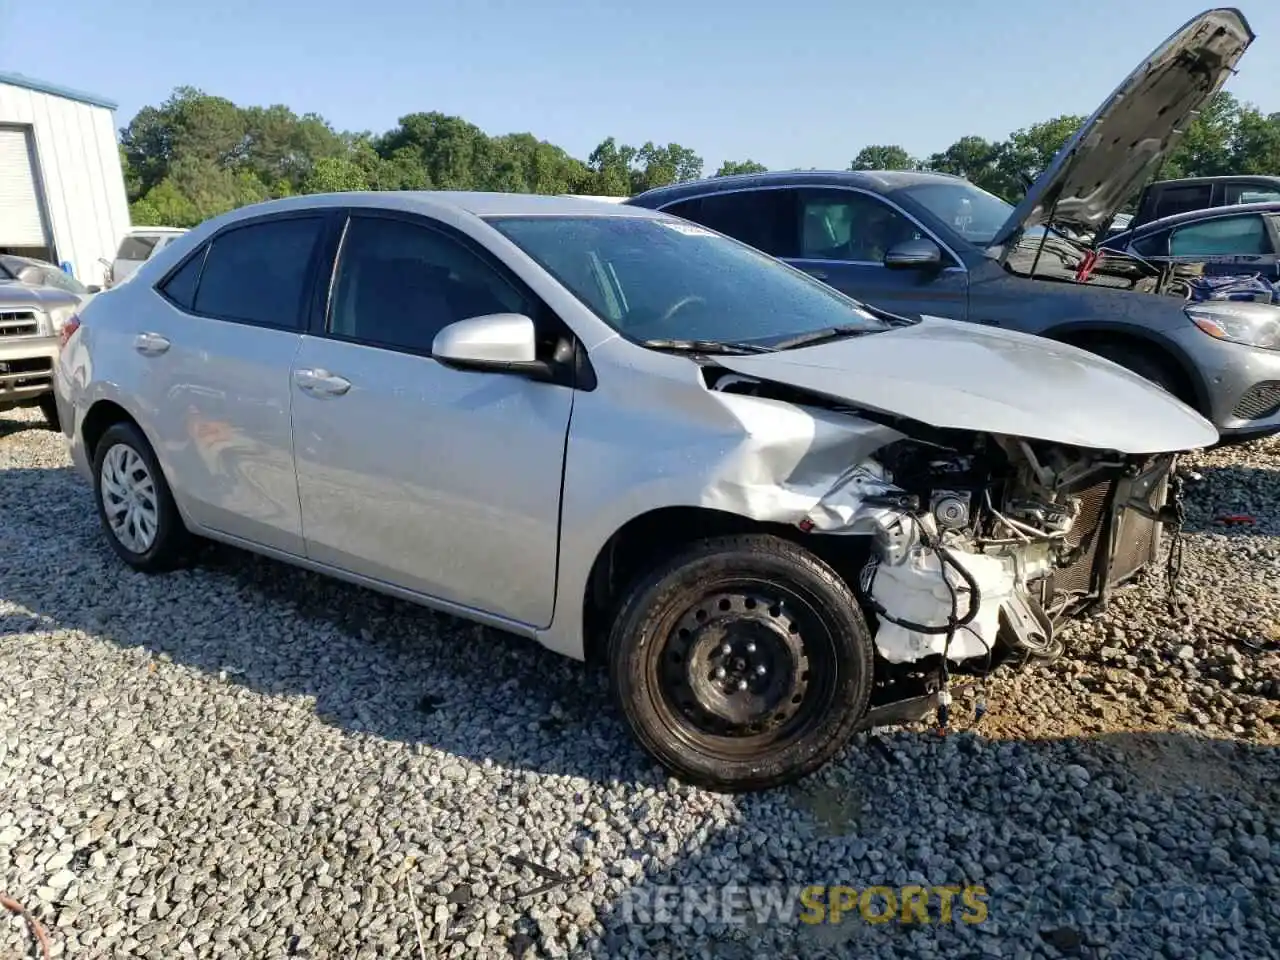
pixel 978 547
pixel 979 553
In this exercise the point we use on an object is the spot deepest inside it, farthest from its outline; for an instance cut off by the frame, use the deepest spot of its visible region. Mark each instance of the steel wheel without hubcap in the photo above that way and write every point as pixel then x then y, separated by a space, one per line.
pixel 736 666
pixel 743 662
pixel 129 498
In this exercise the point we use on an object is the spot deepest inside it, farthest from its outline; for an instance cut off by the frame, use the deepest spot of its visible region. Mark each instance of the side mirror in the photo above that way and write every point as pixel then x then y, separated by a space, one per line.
pixel 499 342
pixel 914 255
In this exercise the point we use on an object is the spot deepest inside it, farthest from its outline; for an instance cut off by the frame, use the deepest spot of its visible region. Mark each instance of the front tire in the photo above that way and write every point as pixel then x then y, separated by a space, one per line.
pixel 135 504
pixel 1155 369
pixel 49 407
pixel 743 663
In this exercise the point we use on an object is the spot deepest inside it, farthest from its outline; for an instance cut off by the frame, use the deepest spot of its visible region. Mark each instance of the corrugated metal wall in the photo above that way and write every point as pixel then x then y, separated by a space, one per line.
pixel 81 180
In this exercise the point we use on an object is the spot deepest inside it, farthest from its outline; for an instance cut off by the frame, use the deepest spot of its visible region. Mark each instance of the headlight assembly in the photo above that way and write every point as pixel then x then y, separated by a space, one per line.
pixel 1251 324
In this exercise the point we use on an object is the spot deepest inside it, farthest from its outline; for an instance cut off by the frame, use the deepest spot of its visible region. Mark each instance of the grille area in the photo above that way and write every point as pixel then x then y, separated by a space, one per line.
pixel 1260 400
pixel 21 374
pixel 18 323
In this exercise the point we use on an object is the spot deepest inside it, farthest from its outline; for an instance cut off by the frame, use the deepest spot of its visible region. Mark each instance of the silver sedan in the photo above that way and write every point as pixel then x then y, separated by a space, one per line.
pixel 778 515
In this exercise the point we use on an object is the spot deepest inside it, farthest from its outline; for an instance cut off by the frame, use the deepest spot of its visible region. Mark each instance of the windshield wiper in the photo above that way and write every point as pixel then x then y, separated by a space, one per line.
pixel 822 336
pixel 706 346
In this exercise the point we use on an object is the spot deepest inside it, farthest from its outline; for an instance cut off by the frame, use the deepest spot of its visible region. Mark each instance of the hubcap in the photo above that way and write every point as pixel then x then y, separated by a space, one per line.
pixel 129 498
pixel 735 665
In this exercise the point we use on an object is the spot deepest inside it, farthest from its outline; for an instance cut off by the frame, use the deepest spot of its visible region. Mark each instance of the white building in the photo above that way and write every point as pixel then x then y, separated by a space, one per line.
pixel 62 193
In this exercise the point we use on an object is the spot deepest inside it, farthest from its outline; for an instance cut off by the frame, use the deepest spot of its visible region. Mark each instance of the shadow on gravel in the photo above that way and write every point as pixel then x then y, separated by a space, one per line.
pixel 1124 845
pixel 373 664
pixel 9 427
pixel 1225 493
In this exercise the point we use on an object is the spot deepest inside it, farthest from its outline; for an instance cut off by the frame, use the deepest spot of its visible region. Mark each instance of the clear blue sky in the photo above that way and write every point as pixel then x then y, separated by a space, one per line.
pixel 738 79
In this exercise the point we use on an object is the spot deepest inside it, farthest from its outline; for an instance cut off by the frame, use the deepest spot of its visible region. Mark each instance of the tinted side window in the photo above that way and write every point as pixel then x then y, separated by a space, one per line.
pixel 764 219
pixel 181 287
pixel 1226 235
pixel 1155 245
pixel 400 283
pixel 258 273
pixel 842 225
pixel 1182 199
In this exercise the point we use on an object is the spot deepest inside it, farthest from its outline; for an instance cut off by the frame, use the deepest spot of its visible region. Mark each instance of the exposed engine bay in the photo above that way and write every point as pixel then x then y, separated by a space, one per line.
pixel 982 545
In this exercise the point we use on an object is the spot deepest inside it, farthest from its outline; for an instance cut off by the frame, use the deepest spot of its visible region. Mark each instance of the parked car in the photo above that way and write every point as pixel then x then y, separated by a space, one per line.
pixel 620 434
pixel 36 301
pixel 1166 198
pixel 925 243
pixel 1219 241
pixel 137 246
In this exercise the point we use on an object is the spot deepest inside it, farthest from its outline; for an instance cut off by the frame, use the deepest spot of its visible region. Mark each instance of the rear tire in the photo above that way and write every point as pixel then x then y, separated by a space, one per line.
pixel 135 505
pixel 742 663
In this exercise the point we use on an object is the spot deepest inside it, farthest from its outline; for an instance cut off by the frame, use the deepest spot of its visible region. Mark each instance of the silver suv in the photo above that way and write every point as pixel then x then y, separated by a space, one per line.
pixel 36 302
pixel 778 515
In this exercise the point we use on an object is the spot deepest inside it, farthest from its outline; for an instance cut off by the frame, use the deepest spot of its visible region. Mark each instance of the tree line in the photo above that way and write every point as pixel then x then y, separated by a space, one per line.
pixel 198 155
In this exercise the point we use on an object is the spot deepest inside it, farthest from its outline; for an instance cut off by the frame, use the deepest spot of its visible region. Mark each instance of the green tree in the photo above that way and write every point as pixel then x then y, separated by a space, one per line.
pixel 973 158
pixel 335 175
pixel 883 157
pixel 610 166
pixel 734 167
pixel 1027 152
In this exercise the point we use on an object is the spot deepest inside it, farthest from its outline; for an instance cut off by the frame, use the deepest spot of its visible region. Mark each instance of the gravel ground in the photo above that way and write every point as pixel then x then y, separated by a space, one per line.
pixel 245 760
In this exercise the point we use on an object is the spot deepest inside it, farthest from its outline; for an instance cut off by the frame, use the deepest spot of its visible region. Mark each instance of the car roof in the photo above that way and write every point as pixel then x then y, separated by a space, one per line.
pixel 1226 178
pixel 877 181
pixel 1208 213
pixel 477 203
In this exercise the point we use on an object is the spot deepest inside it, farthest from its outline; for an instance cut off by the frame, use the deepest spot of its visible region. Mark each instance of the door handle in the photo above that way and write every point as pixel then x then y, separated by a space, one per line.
pixel 150 344
pixel 819 274
pixel 321 383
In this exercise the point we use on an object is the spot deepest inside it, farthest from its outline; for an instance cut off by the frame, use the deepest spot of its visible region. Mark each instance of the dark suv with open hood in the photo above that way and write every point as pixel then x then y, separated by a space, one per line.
pixel 930 244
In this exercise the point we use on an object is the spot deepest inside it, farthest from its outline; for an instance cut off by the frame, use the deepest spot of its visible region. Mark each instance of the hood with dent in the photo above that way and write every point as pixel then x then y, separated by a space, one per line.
pixel 1117 149
pixel 962 376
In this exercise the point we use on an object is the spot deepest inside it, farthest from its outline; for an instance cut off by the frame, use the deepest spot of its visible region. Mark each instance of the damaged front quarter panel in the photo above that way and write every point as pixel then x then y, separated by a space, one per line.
pixel 977 544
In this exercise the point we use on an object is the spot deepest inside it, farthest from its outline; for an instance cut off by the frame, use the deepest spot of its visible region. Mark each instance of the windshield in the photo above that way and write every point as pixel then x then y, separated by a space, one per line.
pixel 655 279
pixel 968 210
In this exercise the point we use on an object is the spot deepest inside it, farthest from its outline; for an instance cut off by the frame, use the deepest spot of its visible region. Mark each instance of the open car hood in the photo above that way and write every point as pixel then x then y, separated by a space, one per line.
pixel 962 376
pixel 1117 149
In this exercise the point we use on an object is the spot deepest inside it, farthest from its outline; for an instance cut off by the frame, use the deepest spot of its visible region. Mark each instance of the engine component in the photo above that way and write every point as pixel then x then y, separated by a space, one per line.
pixel 1025 627
pixel 1054 518
pixel 950 508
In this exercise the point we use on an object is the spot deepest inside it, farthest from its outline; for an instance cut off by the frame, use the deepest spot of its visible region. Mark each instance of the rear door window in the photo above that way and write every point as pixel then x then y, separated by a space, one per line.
pixel 1245 235
pixel 257 273
pixel 764 219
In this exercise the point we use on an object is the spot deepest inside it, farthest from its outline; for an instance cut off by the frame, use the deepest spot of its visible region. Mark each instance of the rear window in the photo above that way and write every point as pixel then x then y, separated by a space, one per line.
pixel 136 248
pixel 1183 199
